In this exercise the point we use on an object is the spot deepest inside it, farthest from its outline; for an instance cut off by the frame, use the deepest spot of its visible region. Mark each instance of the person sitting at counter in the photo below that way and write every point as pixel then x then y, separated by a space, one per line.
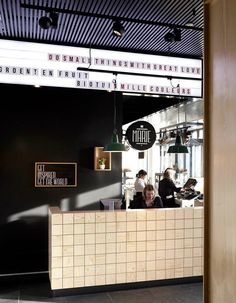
pixel 167 189
pixel 148 199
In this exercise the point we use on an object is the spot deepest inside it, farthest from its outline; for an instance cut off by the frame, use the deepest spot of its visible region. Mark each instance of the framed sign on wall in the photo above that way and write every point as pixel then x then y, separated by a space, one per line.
pixel 55 174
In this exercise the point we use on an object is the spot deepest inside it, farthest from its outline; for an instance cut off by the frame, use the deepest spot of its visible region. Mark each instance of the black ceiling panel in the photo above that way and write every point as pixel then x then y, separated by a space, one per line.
pixel 86 23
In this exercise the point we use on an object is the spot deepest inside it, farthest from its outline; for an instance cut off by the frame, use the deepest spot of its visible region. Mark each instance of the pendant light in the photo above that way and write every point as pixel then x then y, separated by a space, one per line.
pixel 115 146
pixel 178 148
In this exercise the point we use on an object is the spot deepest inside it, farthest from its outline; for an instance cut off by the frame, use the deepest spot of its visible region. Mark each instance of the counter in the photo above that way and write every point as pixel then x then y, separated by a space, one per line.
pixel 97 248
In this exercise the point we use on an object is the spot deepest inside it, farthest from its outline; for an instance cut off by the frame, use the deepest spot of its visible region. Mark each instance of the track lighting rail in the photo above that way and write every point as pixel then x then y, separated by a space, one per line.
pixel 94 15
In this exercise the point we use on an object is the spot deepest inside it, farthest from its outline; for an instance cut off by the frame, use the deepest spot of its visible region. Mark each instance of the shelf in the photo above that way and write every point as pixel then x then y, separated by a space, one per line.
pixel 98 154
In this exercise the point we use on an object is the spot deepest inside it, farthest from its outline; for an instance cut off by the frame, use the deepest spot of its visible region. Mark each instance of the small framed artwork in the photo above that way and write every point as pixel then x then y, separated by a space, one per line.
pixel 55 174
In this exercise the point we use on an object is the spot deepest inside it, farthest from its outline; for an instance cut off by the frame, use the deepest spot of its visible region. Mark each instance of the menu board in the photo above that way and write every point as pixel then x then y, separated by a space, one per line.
pixel 55 174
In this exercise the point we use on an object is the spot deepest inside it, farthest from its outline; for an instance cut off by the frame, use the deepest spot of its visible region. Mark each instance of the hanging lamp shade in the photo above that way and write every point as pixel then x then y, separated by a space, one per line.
pixel 178 148
pixel 115 146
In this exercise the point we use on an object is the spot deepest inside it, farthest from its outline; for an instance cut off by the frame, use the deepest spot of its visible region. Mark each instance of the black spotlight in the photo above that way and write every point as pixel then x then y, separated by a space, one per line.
pixel 47 22
pixel 174 36
pixel 169 37
pixel 118 29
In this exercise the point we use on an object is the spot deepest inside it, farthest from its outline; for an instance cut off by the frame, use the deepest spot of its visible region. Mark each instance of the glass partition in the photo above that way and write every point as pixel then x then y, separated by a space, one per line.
pixel 156 159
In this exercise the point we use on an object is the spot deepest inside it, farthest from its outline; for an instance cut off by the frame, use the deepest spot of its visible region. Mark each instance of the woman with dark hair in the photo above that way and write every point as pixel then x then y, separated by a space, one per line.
pixel 167 189
pixel 148 199
pixel 140 182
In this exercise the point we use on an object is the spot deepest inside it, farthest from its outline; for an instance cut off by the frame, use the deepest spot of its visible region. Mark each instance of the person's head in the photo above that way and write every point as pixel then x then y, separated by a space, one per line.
pixel 149 192
pixel 169 173
pixel 141 174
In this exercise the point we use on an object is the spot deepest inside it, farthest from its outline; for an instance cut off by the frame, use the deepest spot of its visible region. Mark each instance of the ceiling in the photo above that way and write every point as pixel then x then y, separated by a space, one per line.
pixel 19 20
pixel 88 23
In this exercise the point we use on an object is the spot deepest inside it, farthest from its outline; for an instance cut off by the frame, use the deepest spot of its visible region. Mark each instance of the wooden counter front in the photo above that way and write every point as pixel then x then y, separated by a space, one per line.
pixel 95 248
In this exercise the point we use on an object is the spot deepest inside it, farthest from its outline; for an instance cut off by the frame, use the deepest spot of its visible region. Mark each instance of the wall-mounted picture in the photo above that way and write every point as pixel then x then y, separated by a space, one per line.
pixel 55 174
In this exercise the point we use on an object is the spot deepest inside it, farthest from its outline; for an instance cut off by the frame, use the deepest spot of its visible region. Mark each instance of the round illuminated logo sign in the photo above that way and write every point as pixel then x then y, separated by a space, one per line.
pixel 141 135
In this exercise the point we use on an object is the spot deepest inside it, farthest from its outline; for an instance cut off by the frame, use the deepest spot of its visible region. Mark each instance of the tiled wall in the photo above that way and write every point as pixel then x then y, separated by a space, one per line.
pixel 94 248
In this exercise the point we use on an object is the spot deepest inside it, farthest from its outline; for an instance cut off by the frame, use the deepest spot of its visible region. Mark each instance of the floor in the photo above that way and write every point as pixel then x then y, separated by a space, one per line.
pixel 33 291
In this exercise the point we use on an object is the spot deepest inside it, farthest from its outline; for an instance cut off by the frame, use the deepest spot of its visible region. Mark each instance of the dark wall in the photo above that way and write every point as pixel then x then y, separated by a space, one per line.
pixel 51 125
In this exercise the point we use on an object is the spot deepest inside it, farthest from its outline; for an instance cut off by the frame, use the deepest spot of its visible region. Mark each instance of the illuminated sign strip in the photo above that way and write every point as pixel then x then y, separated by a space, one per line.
pixel 53 65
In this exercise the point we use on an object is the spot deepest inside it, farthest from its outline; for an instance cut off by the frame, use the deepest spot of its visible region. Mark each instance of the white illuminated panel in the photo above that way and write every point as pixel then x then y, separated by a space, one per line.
pixel 54 65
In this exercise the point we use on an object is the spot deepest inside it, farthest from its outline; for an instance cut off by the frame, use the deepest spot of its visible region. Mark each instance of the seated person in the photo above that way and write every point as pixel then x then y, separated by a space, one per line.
pixel 167 189
pixel 148 199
